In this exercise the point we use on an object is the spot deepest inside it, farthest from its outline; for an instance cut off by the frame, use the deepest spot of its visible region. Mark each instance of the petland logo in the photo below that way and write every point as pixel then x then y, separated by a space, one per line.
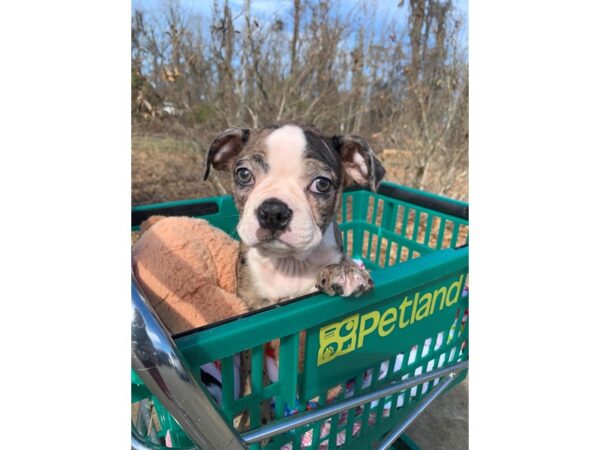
pixel 345 336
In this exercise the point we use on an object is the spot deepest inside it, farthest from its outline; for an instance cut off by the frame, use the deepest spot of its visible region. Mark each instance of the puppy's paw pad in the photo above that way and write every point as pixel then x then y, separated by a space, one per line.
pixel 344 279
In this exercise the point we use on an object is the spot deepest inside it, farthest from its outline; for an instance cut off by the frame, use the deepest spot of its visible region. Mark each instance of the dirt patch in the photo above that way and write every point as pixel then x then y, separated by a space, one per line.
pixel 170 166
pixel 165 168
pixel 399 164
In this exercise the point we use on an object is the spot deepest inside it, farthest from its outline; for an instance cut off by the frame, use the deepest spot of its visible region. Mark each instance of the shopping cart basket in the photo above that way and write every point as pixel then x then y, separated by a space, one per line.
pixel 371 364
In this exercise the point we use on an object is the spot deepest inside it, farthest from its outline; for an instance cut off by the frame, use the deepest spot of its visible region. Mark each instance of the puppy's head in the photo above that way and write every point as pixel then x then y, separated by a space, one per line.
pixel 288 182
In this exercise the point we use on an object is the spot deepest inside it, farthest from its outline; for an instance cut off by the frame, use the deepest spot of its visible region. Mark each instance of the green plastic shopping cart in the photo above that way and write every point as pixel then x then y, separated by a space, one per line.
pixel 371 364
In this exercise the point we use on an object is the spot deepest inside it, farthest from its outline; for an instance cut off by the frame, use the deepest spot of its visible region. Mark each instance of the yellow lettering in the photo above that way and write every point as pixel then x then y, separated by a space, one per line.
pixel 456 286
pixel 388 318
pixel 424 306
pixel 441 292
pixel 363 330
pixel 414 308
pixel 406 303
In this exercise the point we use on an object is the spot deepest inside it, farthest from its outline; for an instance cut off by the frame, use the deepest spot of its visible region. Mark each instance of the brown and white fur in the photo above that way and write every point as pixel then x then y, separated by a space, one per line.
pixel 288 180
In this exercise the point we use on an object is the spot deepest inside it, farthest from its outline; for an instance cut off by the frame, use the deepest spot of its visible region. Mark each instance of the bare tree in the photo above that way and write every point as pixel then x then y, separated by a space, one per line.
pixel 319 61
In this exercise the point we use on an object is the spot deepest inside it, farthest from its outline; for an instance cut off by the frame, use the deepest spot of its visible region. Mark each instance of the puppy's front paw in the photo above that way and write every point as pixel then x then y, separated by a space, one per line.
pixel 345 279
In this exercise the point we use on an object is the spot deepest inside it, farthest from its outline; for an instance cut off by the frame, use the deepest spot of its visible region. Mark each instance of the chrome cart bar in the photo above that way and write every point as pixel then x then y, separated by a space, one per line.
pixel 159 364
pixel 322 413
pixel 399 430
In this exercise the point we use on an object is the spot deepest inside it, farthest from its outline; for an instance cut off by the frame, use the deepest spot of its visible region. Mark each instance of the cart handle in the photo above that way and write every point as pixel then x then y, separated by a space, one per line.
pixel 160 365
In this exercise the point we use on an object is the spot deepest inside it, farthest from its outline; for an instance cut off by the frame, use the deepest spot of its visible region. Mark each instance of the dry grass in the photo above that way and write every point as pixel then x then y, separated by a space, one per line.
pixel 398 164
pixel 165 168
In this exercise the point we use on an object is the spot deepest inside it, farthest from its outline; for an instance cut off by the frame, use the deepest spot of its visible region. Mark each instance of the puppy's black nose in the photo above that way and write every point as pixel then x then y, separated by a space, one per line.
pixel 273 214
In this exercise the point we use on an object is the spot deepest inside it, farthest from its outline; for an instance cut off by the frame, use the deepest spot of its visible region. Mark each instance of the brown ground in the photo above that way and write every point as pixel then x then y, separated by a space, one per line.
pixel 165 168
pixel 170 166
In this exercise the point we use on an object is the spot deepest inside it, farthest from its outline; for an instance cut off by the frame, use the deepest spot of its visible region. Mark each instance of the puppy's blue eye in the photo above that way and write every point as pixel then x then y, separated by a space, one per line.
pixel 244 177
pixel 320 185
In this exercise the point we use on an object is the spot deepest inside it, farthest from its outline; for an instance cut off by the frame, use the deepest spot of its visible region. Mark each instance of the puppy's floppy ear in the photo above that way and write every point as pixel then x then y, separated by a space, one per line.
pixel 359 161
pixel 226 146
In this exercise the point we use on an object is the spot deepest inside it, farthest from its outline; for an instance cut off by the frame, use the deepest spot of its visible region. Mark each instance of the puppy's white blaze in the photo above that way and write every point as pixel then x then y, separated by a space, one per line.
pixel 285 147
pixel 284 181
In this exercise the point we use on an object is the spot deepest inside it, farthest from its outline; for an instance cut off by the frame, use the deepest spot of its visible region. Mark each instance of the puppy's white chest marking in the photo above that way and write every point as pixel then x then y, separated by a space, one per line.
pixel 282 278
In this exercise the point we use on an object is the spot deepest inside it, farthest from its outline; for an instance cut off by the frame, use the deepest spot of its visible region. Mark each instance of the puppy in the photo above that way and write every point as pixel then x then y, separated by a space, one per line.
pixel 288 180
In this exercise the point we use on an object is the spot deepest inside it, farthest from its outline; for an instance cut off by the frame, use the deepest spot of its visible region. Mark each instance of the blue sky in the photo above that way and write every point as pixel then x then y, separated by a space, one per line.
pixel 270 9
pixel 283 8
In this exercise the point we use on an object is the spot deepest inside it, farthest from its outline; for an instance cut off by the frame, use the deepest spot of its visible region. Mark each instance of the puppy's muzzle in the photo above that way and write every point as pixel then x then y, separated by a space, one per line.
pixel 273 214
